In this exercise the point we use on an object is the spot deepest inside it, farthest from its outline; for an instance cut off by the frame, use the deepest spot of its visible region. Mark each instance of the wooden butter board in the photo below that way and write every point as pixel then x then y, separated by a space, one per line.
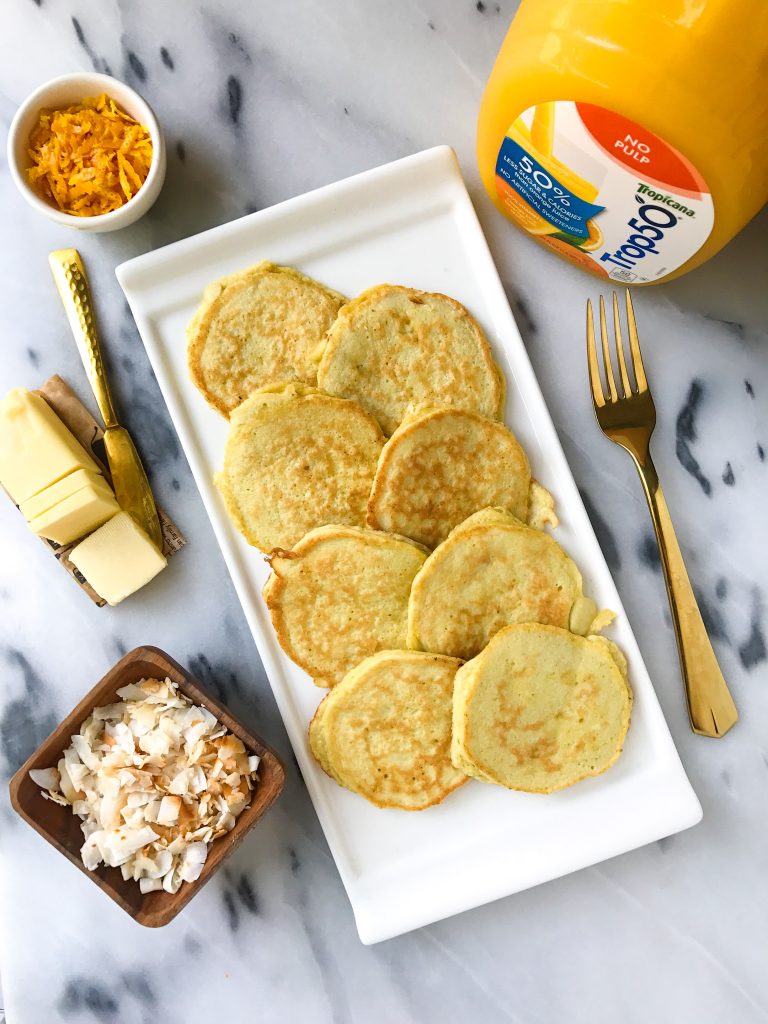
pixel 81 424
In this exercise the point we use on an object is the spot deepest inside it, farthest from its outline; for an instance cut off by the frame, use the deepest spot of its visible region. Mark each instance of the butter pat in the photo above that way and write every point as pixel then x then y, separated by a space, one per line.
pixel 77 515
pixel 118 559
pixel 36 449
pixel 64 488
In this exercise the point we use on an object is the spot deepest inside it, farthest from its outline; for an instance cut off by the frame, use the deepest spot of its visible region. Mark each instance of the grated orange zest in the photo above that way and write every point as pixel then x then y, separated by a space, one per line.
pixel 90 158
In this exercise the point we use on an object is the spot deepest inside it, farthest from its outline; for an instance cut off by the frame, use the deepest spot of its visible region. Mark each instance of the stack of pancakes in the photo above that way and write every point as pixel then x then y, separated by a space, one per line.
pixel 411 574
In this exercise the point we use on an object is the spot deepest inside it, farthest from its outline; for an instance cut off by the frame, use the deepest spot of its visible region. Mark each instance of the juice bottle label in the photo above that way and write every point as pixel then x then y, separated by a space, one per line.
pixel 603 191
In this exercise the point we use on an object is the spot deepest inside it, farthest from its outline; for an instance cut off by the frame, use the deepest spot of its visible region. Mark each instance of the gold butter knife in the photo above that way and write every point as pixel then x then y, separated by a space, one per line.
pixel 129 479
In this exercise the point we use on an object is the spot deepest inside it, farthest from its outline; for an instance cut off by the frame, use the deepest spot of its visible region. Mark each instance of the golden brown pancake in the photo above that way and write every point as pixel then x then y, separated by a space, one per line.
pixel 385 731
pixel 540 708
pixel 394 349
pixel 492 571
pixel 439 467
pixel 295 459
pixel 259 326
pixel 340 595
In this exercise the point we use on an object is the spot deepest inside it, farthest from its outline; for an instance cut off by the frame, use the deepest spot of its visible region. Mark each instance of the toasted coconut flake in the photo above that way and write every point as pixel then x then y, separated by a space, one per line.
pixel 122 736
pixel 109 712
pixel 163 862
pixel 78 774
pixel 180 783
pixel 197 780
pixel 131 692
pixel 65 783
pixel 172 881
pixel 119 844
pixel 151 810
pixel 57 798
pixel 153 686
pixel 90 852
pixel 109 812
pixel 169 810
pixel 137 799
pixel 154 743
pixel 109 785
pixel 45 778
pixel 192 861
pixel 85 753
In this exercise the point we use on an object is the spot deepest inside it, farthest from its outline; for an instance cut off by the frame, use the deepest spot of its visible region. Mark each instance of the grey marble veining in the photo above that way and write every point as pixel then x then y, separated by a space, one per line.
pixel 261 102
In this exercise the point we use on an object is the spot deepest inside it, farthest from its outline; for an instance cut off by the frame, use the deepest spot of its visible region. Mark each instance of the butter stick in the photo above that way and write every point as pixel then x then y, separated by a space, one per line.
pixel 118 559
pixel 76 515
pixel 36 449
pixel 64 488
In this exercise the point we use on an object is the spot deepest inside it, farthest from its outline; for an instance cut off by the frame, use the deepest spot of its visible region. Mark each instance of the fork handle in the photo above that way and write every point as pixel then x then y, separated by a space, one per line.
pixel 710 706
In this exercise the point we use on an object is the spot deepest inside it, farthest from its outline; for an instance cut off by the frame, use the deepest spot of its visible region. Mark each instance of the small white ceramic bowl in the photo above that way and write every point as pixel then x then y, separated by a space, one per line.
pixel 63 92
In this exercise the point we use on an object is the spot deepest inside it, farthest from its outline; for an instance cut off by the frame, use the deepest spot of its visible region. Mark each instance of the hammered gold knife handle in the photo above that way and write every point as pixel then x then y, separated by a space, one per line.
pixel 72 283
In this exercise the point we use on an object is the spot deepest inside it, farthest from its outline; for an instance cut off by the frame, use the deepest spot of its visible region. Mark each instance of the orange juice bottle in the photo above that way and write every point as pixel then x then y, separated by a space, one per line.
pixel 630 136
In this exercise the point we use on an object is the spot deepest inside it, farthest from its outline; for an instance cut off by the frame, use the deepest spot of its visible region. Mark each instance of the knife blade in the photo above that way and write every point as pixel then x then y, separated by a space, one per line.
pixel 129 478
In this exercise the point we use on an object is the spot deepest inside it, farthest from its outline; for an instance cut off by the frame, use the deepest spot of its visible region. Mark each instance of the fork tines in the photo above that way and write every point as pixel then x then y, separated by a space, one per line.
pixel 599 394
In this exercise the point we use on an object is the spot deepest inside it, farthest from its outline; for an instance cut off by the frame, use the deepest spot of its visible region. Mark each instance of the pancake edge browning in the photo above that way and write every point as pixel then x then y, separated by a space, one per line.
pixel 466 683
pixel 344 324
pixel 537 498
pixel 275 588
pixel 282 392
pixel 429 586
pixel 198 329
pixel 324 743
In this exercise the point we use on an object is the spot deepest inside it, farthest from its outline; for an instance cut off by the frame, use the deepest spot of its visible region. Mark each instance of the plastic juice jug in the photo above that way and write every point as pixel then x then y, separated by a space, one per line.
pixel 630 136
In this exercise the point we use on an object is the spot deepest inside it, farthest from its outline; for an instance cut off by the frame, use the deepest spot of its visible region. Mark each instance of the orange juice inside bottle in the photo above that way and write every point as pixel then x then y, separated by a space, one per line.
pixel 629 136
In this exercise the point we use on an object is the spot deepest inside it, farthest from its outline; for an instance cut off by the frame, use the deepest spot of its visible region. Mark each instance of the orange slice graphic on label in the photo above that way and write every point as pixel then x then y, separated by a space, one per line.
pixel 573 254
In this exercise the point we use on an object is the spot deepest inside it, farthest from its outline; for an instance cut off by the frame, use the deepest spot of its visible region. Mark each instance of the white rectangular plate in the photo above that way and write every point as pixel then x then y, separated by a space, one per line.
pixel 412 222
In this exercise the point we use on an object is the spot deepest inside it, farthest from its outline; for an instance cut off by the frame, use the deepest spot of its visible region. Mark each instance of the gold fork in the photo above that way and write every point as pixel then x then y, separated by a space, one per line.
pixel 628 420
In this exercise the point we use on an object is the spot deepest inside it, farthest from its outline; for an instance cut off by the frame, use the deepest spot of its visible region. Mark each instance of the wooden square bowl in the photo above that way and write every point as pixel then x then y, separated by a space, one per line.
pixel 61 826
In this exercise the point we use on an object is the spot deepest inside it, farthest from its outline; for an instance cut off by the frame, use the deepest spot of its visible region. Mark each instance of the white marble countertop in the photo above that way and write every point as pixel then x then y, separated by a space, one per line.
pixel 261 102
